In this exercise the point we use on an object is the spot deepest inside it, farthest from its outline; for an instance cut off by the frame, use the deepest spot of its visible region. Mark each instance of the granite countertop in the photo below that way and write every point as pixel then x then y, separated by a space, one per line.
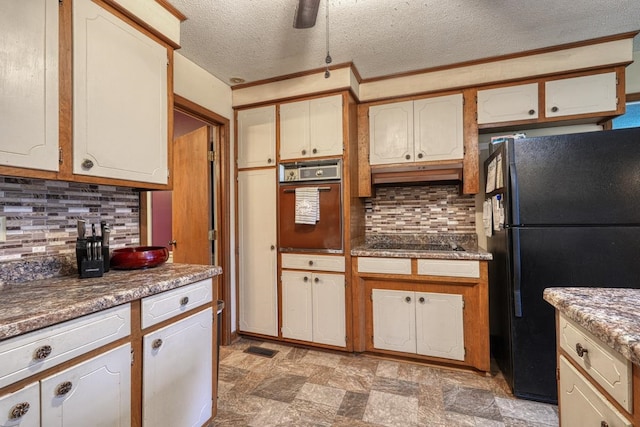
pixel 611 314
pixel 418 246
pixel 36 304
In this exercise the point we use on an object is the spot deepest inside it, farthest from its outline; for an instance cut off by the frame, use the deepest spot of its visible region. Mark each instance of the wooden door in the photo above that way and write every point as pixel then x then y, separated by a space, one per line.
pixel 257 137
pixel 581 95
pixel 391 133
pixel 394 320
pixel 294 130
pixel 325 126
pixel 191 200
pixel 16 401
pixel 439 325
pixel 505 104
pixel 93 393
pixel 297 306
pixel 438 128
pixel 329 325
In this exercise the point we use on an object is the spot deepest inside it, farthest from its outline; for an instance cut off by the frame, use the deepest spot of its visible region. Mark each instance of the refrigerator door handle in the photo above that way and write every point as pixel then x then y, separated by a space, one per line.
pixel 517 273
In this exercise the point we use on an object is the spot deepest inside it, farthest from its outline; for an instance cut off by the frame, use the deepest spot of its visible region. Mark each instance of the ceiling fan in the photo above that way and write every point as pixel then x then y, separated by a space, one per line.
pixel 306 13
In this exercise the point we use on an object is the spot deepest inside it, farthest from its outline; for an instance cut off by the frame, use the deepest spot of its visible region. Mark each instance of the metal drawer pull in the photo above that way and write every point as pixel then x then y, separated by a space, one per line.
pixel 87 164
pixel 42 352
pixel 581 350
pixel 532 112
pixel 554 109
pixel 19 410
pixel 291 190
pixel 184 300
pixel 64 388
pixel 157 343
pixel 310 262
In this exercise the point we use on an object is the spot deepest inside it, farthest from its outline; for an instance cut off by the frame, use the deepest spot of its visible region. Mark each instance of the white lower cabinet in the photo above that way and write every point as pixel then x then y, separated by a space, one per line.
pixel 93 393
pixel 313 307
pixel 177 373
pixel 21 408
pixel 425 323
pixel 583 405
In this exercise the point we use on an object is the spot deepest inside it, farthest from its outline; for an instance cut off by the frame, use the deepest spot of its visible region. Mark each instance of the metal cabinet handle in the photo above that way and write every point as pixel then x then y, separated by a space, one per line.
pixel 420 155
pixel 554 109
pixel 317 279
pixel 408 299
pixel 156 344
pixel 19 410
pixel 421 300
pixel 87 164
pixel 310 262
pixel 581 350
pixel 42 353
pixel 604 424
pixel 64 388
pixel 305 279
pixel 184 300
pixel 314 151
pixel 269 160
pixel 273 247
pixel 408 157
pixel 304 152
pixel 532 112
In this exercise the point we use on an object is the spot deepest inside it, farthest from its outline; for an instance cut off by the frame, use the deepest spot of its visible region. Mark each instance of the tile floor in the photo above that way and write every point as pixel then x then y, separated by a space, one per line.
pixel 300 387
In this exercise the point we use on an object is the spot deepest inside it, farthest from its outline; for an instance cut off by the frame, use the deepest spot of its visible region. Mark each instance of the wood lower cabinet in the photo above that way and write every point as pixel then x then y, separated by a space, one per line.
pixel 93 393
pixel 177 372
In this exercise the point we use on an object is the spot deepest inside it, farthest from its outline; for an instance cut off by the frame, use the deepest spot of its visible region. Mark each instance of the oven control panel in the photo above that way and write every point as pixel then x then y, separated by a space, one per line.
pixel 310 171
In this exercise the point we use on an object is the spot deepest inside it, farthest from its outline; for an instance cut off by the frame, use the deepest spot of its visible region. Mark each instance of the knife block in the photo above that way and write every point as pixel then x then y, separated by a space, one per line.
pixel 91 268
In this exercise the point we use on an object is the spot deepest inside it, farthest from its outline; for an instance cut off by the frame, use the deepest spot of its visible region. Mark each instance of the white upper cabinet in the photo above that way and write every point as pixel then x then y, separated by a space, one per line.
pixel 29 84
pixel 505 104
pixel 416 131
pixel 120 105
pixel 311 128
pixel 581 95
pixel 257 137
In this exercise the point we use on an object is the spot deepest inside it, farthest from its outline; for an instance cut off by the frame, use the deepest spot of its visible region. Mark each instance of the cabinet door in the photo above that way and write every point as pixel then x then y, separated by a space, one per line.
pixel 29 84
pixel 294 130
pixel 257 137
pixel 391 133
pixel 394 320
pixel 439 328
pixel 93 393
pixel 505 104
pixel 581 404
pixel 329 309
pixel 325 136
pixel 120 106
pixel 438 128
pixel 257 258
pixel 297 321
pixel 22 408
pixel 177 373
pixel 581 95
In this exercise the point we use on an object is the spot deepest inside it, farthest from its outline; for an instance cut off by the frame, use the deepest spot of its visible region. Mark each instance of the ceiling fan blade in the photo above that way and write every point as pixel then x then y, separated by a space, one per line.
pixel 306 13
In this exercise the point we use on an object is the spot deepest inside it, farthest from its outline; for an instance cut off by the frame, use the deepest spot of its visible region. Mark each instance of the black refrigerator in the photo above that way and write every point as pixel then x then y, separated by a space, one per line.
pixel 565 211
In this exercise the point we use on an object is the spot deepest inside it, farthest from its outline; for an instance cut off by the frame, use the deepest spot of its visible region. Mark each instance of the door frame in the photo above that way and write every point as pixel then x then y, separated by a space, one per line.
pixel 222 205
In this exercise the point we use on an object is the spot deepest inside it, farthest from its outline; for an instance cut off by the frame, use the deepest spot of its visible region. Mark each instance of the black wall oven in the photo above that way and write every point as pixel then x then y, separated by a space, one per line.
pixel 297 181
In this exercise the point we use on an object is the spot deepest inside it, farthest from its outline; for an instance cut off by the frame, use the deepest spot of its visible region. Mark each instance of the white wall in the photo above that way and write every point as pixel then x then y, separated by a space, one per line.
pixel 632 80
pixel 195 84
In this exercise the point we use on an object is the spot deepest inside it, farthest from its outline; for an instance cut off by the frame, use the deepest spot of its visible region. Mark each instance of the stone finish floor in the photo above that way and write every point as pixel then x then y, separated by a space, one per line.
pixel 300 387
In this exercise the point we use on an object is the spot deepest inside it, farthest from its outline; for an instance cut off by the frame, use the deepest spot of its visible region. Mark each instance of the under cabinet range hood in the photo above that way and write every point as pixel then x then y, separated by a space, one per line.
pixel 400 174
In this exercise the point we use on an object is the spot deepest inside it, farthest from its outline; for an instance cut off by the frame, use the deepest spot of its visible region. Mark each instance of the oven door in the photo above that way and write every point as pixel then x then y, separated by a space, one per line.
pixel 326 234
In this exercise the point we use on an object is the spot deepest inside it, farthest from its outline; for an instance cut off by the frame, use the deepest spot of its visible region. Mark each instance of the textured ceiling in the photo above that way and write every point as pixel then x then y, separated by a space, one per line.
pixel 255 39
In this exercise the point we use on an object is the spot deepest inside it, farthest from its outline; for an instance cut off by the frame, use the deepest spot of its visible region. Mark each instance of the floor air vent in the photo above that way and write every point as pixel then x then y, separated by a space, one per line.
pixel 261 351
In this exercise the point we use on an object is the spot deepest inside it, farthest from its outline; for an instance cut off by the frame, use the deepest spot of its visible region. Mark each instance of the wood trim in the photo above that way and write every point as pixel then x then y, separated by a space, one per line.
pixel 632 97
pixel 293 98
pixel 65 88
pixel 291 76
pixel 172 10
pixel 565 46
pixel 365 189
pixel 224 204
pixel 136 364
pixel 471 160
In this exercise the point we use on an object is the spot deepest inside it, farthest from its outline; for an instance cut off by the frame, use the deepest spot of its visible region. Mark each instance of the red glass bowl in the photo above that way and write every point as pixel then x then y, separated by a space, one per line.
pixel 138 257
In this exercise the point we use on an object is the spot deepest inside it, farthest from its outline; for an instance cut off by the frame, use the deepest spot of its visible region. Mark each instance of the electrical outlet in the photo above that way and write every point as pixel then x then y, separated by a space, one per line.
pixel 3 228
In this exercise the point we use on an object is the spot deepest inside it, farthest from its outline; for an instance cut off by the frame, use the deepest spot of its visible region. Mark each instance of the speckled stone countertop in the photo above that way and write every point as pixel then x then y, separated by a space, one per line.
pixel 371 246
pixel 611 314
pixel 32 305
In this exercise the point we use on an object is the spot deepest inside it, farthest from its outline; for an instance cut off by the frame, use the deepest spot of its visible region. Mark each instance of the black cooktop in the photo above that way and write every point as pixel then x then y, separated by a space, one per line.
pixel 415 246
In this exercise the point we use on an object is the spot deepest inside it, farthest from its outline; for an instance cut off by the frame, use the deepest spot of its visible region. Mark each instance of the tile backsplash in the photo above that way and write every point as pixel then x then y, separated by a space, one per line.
pixel 420 209
pixel 41 215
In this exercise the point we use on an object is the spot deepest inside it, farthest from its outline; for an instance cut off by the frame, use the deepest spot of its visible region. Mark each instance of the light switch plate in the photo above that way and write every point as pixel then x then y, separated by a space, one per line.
pixel 3 228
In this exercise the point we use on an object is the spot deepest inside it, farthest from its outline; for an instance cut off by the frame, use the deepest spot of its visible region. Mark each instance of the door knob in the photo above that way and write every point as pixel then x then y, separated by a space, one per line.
pixel 172 243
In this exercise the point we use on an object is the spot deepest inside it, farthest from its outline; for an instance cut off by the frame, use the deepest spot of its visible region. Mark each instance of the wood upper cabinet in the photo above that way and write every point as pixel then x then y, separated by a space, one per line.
pixel 257 137
pixel 120 108
pixel 311 128
pixel 581 95
pixel 510 103
pixel 429 129
pixel 29 84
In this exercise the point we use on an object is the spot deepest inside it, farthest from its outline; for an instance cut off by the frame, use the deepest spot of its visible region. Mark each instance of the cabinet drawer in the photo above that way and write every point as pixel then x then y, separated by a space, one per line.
pixel 606 366
pixel 384 265
pixel 61 342
pixel 164 306
pixel 12 405
pixel 581 404
pixel 313 262
pixel 446 267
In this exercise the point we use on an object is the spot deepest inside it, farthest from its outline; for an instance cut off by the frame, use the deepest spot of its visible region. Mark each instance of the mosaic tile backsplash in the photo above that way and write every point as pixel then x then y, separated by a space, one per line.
pixel 42 215
pixel 420 209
